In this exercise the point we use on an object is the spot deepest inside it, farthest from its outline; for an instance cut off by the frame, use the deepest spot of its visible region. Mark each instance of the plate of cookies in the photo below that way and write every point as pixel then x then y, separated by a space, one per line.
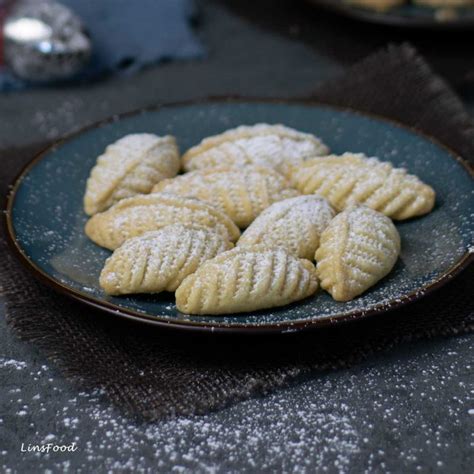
pixel 432 14
pixel 244 216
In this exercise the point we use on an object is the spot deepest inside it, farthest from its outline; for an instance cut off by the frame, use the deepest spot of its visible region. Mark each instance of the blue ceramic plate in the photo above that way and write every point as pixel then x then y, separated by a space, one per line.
pixel 411 16
pixel 46 220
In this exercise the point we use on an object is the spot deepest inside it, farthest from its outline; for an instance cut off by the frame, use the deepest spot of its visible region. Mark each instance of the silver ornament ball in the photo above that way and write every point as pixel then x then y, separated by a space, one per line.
pixel 44 41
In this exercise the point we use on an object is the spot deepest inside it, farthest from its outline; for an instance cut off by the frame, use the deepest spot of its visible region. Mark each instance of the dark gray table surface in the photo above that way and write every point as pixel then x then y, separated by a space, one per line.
pixel 410 410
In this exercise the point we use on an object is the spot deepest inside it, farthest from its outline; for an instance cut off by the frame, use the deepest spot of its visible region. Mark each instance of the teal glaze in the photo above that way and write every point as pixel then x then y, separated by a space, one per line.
pixel 48 220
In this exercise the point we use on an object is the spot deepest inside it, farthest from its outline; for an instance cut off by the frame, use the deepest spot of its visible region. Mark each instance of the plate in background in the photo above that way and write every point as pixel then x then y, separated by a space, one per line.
pixel 45 217
pixel 412 16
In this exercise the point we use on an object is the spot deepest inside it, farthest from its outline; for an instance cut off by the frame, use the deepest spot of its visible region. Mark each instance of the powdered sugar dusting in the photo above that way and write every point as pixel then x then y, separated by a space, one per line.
pixel 16 364
pixel 49 221
pixel 159 260
pixel 133 216
pixel 353 179
pixel 246 279
pixel 242 193
pixel 273 146
pixel 406 411
pixel 295 224
pixel 131 165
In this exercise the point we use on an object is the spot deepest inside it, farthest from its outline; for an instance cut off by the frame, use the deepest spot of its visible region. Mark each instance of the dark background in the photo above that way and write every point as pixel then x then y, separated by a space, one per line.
pixel 410 410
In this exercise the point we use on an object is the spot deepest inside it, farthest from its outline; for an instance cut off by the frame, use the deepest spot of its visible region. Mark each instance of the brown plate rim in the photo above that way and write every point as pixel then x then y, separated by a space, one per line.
pixel 244 328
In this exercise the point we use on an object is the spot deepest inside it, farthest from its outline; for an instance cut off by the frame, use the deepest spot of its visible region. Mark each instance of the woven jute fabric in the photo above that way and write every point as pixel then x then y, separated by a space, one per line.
pixel 156 374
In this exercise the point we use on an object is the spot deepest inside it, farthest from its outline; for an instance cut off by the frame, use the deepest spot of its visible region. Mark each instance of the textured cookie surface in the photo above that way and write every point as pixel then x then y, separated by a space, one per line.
pixel 139 214
pixel 246 279
pixel 130 166
pixel 159 260
pixel 352 179
pixel 358 248
pixel 295 224
pixel 242 193
pixel 274 146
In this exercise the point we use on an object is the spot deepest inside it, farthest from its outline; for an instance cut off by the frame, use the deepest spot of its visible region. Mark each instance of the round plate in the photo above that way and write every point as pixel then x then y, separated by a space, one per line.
pixel 46 221
pixel 412 16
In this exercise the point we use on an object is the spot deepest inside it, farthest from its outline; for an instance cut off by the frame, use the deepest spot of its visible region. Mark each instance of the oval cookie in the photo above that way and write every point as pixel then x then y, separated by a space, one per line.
pixel 242 193
pixel 139 214
pixel 274 146
pixel 358 248
pixel 295 224
pixel 160 260
pixel 130 166
pixel 246 279
pixel 353 179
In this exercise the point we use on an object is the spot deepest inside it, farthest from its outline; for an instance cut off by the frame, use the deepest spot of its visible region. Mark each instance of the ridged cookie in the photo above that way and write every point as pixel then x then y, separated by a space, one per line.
pixel 139 214
pixel 160 260
pixel 130 166
pixel 246 279
pixel 295 224
pixel 353 179
pixel 242 193
pixel 358 248
pixel 274 146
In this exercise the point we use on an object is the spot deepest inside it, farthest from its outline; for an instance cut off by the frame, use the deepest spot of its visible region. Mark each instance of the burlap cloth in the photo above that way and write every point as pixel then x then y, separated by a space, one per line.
pixel 157 373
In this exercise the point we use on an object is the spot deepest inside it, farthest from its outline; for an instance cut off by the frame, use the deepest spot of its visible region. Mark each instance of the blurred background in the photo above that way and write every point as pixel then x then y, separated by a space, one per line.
pixel 64 66
pixel 126 55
